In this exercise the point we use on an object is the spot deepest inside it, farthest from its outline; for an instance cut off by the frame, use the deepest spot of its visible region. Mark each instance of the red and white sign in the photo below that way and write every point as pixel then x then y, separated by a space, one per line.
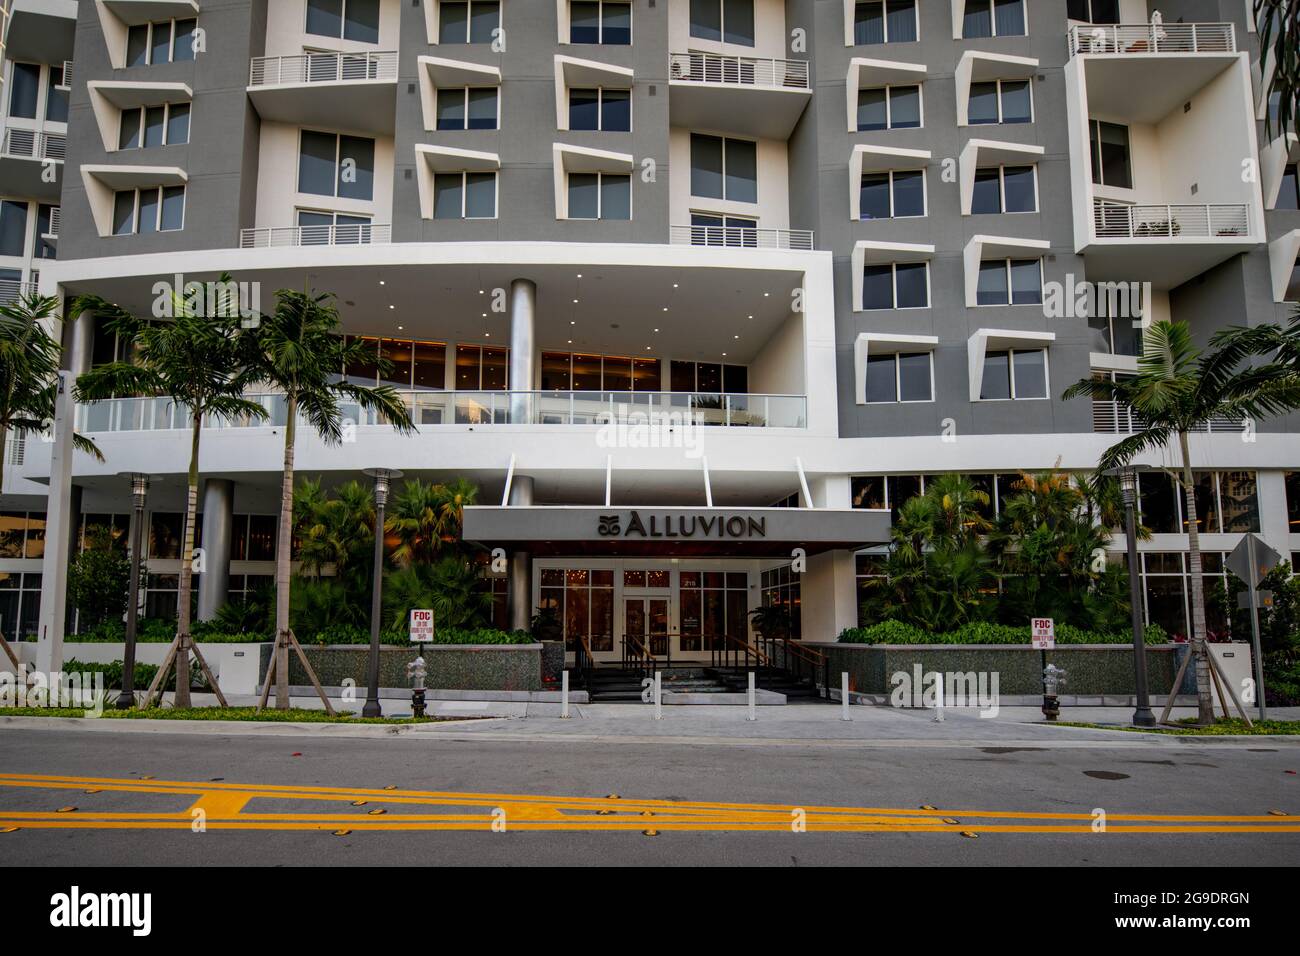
pixel 421 626
pixel 1044 633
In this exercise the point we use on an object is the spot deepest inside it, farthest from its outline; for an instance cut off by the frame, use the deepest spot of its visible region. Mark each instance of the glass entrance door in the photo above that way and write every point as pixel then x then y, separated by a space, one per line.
pixel 645 625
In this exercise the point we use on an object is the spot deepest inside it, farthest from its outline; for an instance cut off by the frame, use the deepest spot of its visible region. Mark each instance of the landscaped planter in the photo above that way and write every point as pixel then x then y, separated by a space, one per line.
pixel 236 666
pixel 450 666
pixel 552 661
pixel 1091 669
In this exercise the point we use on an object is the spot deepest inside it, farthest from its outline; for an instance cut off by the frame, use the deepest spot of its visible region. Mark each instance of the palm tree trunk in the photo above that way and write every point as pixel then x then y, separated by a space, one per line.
pixel 282 562
pixel 1200 655
pixel 4 447
pixel 187 575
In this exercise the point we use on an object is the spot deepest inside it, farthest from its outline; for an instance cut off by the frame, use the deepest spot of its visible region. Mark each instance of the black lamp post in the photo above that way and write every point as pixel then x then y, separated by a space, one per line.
pixel 382 477
pixel 139 492
pixel 1128 479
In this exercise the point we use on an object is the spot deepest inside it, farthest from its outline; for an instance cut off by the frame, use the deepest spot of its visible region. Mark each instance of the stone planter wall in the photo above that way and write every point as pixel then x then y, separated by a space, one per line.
pixel 450 666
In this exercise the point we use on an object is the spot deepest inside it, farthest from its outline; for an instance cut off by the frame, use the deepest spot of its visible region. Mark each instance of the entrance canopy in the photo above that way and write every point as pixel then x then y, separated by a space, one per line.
pixel 673 532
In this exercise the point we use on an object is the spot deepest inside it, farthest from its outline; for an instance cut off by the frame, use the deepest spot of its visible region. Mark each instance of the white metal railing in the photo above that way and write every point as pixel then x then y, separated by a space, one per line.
pixel 342 234
pixel 653 410
pixel 1117 418
pixel 67 76
pixel 741 237
pixel 738 70
pixel 1184 221
pixel 1139 38
pixel 56 220
pixel 32 144
pixel 11 290
pixel 15 448
pixel 322 68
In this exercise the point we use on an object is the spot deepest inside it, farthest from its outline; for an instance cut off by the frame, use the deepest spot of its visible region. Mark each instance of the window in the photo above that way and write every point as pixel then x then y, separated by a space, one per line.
pixel 781 588
pixel 1292 293
pixel 160 209
pixel 1004 189
pixel 1293 500
pixel 708 377
pixel 56 97
pixel 13 228
pixel 1288 196
pixel 322 228
pixel 26 85
pixel 584 601
pixel 1110 154
pixel 889 107
pixel 724 168
pixel 465 195
pixel 901 377
pixel 1093 11
pixel 993 18
pixel 344 19
pixel 600 109
pixel 714 607
pixel 884 21
pixel 20 605
pixel 565 371
pixel 330 164
pixel 165 125
pixel 165 41
pixel 1226 502
pixel 44 222
pixel 22 534
pixel 1000 101
pixel 600 21
pixel 896 285
pixel 895 194
pixel 1010 282
pixel 600 196
pixel 468 21
pixel 1014 374
pixel 729 21
pixel 481 368
pixel 470 107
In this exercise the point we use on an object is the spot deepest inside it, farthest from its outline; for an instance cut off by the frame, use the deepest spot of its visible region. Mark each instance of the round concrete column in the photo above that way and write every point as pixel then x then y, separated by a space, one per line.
pixel 218 533
pixel 523 345
pixel 521 563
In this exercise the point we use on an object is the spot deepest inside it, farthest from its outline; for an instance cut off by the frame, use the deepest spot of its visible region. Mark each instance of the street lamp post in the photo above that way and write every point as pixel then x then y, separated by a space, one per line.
pixel 139 492
pixel 382 477
pixel 1128 477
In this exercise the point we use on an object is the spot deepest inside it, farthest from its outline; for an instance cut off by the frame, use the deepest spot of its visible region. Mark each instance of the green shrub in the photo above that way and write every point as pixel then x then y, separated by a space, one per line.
pixel 144 673
pixel 986 632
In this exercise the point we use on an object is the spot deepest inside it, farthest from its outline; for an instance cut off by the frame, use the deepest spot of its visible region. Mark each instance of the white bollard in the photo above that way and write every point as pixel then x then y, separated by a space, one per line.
pixel 659 696
pixel 938 699
pixel 752 715
pixel 844 696
pixel 564 694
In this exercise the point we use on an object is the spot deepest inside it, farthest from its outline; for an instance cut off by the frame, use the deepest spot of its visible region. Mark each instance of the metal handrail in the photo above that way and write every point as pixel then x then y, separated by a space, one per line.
pixel 640 658
pixel 67 76
pixel 343 234
pixel 12 290
pixel 1134 39
pixel 741 237
pixel 34 144
pixel 729 654
pixel 1113 417
pixel 323 68
pixel 584 660
pixel 1169 221
pixel 700 67
pixel 56 220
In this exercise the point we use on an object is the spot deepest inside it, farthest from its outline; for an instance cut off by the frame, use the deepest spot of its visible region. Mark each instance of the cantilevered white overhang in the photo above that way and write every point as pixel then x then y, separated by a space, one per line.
pixel 883 343
pixel 321 89
pixel 1282 257
pixel 752 96
pixel 875 252
pixel 978 66
pixel 868 158
pixel 116 17
pixel 984 340
pixel 983 247
pixel 979 153
pixel 436 72
pixel 431 159
pixel 573 73
pixel 868 74
pixel 108 98
pixel 41 31
pixel 102 182
pixel 567 159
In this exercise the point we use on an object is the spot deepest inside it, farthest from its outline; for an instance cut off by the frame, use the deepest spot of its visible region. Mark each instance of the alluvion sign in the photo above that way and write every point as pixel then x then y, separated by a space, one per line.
pixel 682 526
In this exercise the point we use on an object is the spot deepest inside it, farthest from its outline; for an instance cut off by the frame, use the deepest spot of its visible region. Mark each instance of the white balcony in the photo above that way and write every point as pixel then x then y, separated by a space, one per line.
pixel 1141 39
pixel 12 290
pixel 755 96
pixel 741 237
pixel 1182 222
pixel 346 234
pixel 25 155
pixel 320 88
pixel 21 143
pixel 1116 418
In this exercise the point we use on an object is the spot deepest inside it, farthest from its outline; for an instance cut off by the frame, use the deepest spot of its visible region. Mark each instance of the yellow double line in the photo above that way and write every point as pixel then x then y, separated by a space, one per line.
pixel 225 806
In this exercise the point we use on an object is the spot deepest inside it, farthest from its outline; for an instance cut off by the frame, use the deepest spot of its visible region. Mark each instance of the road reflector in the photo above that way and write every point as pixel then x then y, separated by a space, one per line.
pixel 91 791
pixel 376 812
pixel 358 803
pixel 970 834
pixel 603 813
pixel 1277 813
pixel 949 820
pixel 926 806
pixel 649 832
pixel 9 830
pixel 66 810
pixel 391 787
pixel 342 832
pixel 612 796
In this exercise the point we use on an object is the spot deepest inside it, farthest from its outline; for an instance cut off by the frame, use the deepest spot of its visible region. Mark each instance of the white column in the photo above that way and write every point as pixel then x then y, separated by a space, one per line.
pixel 520 595
pixel 829 596
pixel 58 515
pixel 218 522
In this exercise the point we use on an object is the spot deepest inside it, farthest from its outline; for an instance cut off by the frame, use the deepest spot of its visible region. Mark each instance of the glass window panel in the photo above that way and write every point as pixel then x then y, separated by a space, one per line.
pixel 909 193
pixel 982 105
pixel 483 108
pixel 148 210
pixel 494 369
pixel 617 26
pixel 873 202
pixel 646 375
pixel 742 171
pixel 987 195
pixel 451 108
pixel 1026 282
pixel 868 491
pixel 173 208
pixel 362 23
pixel 1207 510
pixel 1021 195
pixel 617 374
pixel 124 213
pixel 262 531
pixel 878 287
pixel 137 45
pixel 706 19
pixel 56 100
pixel 904 107
pixel 484 18
pixel 992 288
pixel 872 112
pixel 912 285
pixel 316 161
pixel 453 22
pixel 129 131
pixel 869 22
pixel 1016 107
pixel 901 489
pixel 615 197
pixel 160 36
pixel 480 195
pixel 709 377
pixel 706 166
pixel 616 110
pixel 429 360
pixel 1159 505
pixel 1113 150
pixel 469 367
pixel 996 383
pixel 1009 17
pixel 1288 196
pixel 584 22
pixel 738 22
pixel 178 124
pixel 448 194
pixel 555 371
pixel 881 379
pixel 1031 374
pixel 977 20
pixel 325 18
pixel 356 167
pixel 26 80
pixel 583 195
pixel 13 531
pixel 1166 604
pixel 1293 500
pixel 900 16
pixel 183 42
pixel 154 121
pixel 584 109
pixel 13 228
pixel 586 373
pixel 398 353
pixel 914 377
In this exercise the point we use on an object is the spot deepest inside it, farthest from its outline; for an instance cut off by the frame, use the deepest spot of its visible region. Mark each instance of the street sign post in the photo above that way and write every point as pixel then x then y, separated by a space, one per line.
pixel 1251 561
pixel 421 626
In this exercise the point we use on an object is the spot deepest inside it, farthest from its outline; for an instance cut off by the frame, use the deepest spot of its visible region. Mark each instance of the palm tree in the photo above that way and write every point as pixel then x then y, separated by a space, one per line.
pixel 193 359
pixel 426 519
pixel 1278 22
pixel 1176 390
pixel 29 368
pixel 300 352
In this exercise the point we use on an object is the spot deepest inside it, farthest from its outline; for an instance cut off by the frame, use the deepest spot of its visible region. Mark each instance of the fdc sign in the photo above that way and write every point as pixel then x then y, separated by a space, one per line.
pixel 1044 633
pixel 421 626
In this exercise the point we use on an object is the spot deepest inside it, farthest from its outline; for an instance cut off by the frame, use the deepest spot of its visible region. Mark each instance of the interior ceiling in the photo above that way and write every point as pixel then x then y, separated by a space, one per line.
pixel 1165 82
pixel 618 308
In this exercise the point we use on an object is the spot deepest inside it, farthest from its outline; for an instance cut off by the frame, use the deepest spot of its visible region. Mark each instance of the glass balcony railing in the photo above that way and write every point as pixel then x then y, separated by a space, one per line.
pixel 633 409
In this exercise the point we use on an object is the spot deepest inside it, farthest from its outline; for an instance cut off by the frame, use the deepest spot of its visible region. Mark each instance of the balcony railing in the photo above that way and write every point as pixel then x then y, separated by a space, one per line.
pixel 322 68
pixel 31 144
pixel 738 70
pixel 342 234
pixel 56 220
pixel 657 412
pixel 1112 220
pixel 1165 38
pixel 1118 418
pixel 11 290
pixel 741 237
pixel 67 76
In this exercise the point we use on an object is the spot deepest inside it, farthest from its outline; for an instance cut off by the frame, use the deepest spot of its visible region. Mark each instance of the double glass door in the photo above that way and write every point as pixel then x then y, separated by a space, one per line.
pixel 645 623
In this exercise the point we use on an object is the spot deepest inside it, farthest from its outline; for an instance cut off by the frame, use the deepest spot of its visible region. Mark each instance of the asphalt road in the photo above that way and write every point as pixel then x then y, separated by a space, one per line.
pixel 1194 780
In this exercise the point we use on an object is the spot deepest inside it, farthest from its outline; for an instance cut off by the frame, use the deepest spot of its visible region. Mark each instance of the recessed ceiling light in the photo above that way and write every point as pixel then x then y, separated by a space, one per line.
pixel 570 341
pixel 401 328
pixel 571 322
pixel 735 336
pixel 575 301
pixel 485 315
pixel 381 282
pixel 656 330
pixel 724 354
pixel 665 308
pixel 392 306
pixel 674 285
pixel 579 275
pixel 488 335
pixel 480 291
pixel 766 294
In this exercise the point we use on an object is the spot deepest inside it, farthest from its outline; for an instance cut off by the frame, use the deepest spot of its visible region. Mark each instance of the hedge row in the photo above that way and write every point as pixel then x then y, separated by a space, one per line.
pixel 335 634
pixel 984 632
